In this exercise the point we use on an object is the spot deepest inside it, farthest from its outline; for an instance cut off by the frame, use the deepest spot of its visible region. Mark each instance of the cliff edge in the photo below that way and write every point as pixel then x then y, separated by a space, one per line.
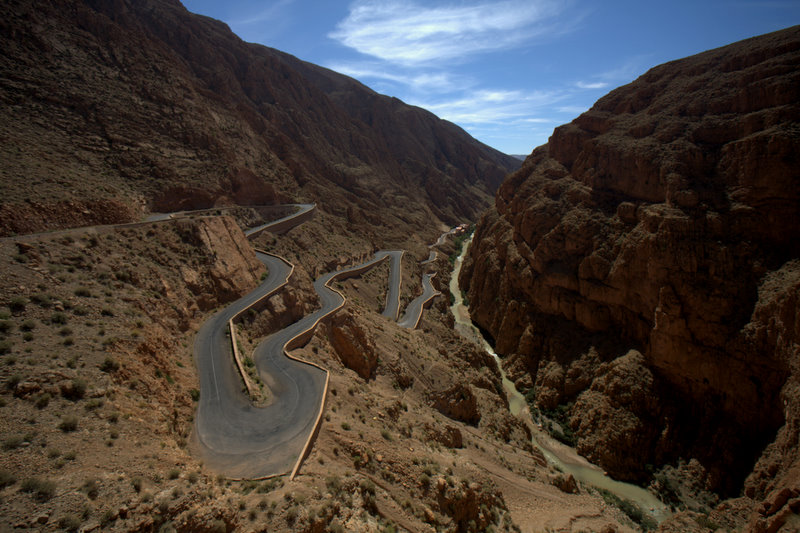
pixel 643 269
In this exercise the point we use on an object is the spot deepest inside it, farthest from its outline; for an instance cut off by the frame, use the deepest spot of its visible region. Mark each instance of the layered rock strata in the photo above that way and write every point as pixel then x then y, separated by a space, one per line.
pixel 642 268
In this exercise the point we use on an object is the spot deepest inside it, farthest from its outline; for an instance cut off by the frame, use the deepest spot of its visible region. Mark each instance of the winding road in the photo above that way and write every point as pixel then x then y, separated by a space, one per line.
pixel 244 441
pixel 234 436
pixel 414 309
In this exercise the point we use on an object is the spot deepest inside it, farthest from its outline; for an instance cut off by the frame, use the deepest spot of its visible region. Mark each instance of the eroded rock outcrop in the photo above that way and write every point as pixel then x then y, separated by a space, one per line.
pixel 353 344
pixel 643 264
pixel 457 402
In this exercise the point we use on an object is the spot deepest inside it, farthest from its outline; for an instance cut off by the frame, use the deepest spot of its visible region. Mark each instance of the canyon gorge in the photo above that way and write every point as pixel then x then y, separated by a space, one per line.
pixel 638 277
pixel 641 272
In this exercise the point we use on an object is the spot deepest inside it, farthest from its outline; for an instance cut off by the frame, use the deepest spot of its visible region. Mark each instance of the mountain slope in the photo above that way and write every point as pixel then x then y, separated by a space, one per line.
pixel 115 108
pixel 642 270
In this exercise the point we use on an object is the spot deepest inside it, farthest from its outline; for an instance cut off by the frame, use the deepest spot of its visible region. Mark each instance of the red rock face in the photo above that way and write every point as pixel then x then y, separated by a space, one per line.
pixel 665 220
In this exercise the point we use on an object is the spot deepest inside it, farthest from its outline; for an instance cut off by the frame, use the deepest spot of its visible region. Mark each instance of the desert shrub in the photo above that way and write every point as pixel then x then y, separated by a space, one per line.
pixel 69 341
pixel 106 312
pixel 42 300
pixel 218 526
pixel 69 522
pixel 385 434
pixel 249 486
pixel 106 518
pixel 94 403
pixel 66 330
pixel 41 489
pixel 27 325
pixel 6 326
pixel 13 381
pixel 75 390
pixel 195 394
pixel 268 486
pixel 91 489
pixel 17 304
pixel 83 292
pixel 137 483
pixel 425 480
pixel 42 400
pixel 109 364
pixel 174 473
pixel 6 478
pixel 58 318
pixel 13 442
pixel 27 336
pixel 345 426
pixel 5 347
pixel 291 515
pixel 68 423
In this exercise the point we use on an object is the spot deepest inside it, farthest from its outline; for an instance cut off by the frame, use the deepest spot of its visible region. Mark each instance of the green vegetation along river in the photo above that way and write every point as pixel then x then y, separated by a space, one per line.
pixel 557 454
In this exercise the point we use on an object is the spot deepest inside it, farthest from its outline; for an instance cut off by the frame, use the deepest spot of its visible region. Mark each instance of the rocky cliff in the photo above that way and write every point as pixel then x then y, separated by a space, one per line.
pixel 642 269
pixel 112 109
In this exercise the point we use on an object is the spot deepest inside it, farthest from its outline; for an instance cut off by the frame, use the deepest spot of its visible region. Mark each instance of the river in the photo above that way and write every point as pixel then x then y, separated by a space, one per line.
pixel 557 454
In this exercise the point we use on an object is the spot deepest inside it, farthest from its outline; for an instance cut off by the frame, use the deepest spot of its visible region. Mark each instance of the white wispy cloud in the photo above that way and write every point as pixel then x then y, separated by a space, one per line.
pixel 438 82
pixel 270 13
pixel 407 33
pixel 535 120
pixel 573 109
pixel 493 106
pixel 591 85
pixel 627 71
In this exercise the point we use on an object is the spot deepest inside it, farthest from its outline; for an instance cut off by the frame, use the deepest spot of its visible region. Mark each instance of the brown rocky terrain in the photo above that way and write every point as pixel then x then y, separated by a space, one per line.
pixel 640 272
pixel 114 109
pixel 98 392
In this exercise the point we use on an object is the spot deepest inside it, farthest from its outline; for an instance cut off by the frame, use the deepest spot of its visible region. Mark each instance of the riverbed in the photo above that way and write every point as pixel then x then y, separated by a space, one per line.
pixel 559 455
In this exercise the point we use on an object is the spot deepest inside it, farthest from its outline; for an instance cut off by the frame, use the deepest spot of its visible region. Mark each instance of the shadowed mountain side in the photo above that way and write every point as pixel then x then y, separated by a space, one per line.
pixel 641 270
pixel 114 108
pixel 419 140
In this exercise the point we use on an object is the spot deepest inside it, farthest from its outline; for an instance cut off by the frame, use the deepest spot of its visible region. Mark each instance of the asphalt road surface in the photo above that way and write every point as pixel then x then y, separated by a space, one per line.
pixel 414 309
pixel 235 437
pixel 392 309
pixel 289 221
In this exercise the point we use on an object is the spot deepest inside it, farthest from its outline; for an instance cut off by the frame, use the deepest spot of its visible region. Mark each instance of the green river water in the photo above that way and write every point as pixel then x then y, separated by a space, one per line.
pixel 557 454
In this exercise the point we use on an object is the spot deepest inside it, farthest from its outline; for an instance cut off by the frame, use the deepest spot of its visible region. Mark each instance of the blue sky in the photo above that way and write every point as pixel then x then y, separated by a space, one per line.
pixel 506 71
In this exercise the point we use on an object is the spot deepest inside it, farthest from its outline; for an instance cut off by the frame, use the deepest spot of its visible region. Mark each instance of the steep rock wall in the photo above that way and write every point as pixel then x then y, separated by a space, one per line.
pixel 642 264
